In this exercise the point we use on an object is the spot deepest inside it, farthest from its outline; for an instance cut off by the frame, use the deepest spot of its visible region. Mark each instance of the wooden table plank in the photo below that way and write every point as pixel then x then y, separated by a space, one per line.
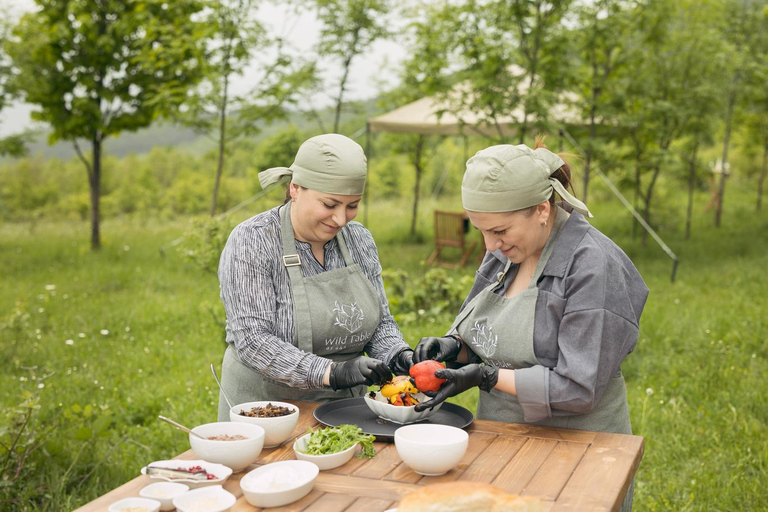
pixel 371 505
pixel 568 469
pixel 304 503
pixel 363 487
pixel 608 464
pixel 556 471
pixel 478 444
pixel 488 465
pixel 330 501
pixel 524 430
pixel 378 467
pixel 520 471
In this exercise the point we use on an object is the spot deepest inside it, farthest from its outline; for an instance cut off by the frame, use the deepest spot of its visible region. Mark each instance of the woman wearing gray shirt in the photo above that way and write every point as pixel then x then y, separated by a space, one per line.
pixel 302 289
pixel 555 307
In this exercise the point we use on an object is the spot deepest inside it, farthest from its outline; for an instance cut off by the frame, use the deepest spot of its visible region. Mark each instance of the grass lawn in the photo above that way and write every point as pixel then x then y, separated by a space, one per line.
pixel 97 345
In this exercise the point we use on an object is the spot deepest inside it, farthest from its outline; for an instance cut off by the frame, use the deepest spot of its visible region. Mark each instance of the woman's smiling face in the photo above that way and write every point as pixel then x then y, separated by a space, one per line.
pixel 519 235
pixel 317 217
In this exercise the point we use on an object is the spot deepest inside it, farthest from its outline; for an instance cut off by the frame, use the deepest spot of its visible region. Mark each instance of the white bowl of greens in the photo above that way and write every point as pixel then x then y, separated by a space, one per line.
pixel 331 447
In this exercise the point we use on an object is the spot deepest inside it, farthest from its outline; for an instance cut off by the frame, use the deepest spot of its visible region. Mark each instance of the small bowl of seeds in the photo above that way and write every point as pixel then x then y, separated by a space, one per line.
pixel 278 419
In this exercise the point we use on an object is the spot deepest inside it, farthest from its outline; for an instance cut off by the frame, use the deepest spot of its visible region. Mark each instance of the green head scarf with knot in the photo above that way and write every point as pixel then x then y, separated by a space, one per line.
pixel 330 163
pixel 506 178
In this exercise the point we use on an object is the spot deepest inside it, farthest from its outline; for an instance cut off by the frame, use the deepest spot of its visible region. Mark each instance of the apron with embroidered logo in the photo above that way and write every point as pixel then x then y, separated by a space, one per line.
pixel 500 331
pixel 335 314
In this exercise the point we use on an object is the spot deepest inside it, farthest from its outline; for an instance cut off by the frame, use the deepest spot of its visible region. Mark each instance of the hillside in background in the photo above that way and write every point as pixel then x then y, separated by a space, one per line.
pixel 167 134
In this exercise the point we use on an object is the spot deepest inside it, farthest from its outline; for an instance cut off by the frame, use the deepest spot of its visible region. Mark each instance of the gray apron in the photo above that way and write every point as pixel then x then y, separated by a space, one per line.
pixel 335 314
pixel 500 331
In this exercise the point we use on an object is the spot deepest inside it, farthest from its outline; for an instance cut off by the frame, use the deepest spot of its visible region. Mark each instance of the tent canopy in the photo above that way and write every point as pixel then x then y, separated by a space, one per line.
pixel 435 116
pixel 430 116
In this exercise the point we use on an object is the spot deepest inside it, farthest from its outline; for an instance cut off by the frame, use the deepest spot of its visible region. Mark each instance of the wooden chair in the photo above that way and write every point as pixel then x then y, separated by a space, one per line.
pixel 450 231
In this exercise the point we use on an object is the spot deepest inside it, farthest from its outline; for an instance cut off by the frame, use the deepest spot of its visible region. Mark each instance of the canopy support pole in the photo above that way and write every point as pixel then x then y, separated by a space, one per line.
pixel 628 206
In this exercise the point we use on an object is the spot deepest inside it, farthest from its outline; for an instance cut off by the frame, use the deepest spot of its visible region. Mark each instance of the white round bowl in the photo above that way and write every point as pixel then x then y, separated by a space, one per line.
pixel 236 455
pixel 277 429
pixel 431 449
pixel 208 499
pixel 326 461
pixel 126 503
pixel 279 483
pixel 399 413
pixel 164 492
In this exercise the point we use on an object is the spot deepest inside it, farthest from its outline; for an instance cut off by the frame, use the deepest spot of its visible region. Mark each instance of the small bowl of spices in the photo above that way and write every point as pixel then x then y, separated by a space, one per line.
pixel 235 445
pixel 278 419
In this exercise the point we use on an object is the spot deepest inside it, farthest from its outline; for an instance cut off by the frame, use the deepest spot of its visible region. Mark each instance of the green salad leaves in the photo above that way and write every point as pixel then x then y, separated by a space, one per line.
pixel 337 439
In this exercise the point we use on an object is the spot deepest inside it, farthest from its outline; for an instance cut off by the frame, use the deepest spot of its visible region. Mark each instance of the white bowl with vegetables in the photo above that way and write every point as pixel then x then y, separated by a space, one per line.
pixel 332 447
pixel 402 414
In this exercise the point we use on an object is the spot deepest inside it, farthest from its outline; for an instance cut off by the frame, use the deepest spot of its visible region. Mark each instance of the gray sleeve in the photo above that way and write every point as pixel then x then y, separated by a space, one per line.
pixel 593 338
pixel 532 385
pixel 247 290
pixel 387 340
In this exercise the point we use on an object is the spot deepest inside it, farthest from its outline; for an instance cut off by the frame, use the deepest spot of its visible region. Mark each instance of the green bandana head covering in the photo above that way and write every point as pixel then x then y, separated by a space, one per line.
pixel 506 178
pixel 330 163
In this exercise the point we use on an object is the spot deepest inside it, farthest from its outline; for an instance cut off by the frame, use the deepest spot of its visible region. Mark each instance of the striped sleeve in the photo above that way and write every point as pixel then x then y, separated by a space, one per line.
pixel 250 290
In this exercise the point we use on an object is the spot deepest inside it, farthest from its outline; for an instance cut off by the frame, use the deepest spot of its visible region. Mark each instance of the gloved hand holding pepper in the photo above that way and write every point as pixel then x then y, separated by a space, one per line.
pixel 440 349
pixel 358 371
pixel 457 381
pixel 402 362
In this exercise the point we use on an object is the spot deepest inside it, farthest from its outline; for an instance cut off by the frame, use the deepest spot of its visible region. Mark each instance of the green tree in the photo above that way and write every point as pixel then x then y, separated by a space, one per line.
pixel 240 41
pixel 665 96
pixel 755 93
pixel 537 25
pixel 11 145
pixel 95 68
pixel 507 55
pixel 602 37
pixel 744 27
pixel 349 28
pixel 702 103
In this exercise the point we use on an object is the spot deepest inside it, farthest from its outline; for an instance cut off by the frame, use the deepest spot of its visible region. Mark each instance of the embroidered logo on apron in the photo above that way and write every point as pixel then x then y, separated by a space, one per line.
pixel 348 316
pixel 484 338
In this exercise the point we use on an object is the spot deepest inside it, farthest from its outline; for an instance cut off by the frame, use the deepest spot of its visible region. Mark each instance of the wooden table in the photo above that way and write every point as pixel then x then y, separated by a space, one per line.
pixel 568 469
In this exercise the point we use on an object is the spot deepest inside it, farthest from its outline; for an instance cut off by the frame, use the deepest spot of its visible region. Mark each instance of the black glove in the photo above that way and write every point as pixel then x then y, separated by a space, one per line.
pixel 439 349
pixel 457 381
pixel 402 362
pixel 358 371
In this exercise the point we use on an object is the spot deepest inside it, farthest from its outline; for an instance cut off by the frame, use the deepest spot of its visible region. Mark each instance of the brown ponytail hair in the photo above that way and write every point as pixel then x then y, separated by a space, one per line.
pixel 563 174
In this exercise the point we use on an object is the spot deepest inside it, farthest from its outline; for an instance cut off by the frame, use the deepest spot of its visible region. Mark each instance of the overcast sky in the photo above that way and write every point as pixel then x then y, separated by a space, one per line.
pixel 370 73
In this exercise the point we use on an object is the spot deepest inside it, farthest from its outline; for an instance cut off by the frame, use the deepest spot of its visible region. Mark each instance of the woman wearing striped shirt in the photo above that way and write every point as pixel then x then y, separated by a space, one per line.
pixel 302 289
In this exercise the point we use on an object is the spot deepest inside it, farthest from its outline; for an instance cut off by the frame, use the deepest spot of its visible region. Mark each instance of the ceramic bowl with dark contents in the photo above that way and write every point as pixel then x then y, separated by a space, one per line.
pixel 278 419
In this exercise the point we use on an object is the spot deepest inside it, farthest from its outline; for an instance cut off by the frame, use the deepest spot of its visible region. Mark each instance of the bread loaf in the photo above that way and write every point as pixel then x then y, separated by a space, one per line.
pixel 466 497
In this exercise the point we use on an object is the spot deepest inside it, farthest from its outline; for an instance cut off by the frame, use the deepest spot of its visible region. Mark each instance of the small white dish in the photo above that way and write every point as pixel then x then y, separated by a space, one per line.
pixel 128 503
pixel 220 471
pixel 164 492
pixel 431 449
pixel 326 461
pixel 277 429
pixel 279 483
pixel 235 454
pixel 206 499
pixel 399 413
